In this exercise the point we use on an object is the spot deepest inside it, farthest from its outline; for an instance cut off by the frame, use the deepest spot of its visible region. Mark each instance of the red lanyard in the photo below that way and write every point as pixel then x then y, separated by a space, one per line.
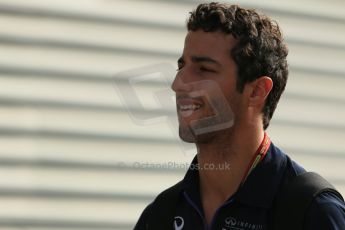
pixel 258 156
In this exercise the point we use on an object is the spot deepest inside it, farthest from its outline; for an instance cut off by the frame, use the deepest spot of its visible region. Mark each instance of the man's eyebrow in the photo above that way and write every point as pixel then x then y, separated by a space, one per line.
pixel 204 59
pixel 198 59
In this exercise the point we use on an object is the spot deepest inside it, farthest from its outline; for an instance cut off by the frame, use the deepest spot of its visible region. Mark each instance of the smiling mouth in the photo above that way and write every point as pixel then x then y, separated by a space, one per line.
pixel 189 107
pixel 187 110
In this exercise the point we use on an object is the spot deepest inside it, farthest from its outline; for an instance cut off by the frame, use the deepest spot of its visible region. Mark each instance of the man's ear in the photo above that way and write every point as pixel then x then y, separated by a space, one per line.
pixel 259 90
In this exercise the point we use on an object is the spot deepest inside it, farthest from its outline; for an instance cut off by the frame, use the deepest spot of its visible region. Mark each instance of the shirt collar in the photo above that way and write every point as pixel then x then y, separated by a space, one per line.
pixel 260 186
pixel 263 182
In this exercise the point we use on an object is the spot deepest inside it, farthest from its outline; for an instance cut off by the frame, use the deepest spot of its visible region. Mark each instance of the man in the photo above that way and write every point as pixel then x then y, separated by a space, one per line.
pixel 230 77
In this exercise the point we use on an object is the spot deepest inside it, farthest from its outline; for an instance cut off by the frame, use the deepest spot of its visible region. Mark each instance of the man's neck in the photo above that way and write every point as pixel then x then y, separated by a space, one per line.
pixel 224 163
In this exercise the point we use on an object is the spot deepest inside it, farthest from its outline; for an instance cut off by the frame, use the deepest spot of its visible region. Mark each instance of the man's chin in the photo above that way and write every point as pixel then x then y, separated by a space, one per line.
pixel 188 136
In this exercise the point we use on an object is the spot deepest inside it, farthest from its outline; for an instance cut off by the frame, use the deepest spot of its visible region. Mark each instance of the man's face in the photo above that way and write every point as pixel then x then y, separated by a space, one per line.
pixel 205 86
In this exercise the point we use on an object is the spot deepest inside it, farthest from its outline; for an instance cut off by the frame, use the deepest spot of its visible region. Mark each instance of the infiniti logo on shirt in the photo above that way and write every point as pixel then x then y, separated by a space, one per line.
pixel 230 221
pixel 233 223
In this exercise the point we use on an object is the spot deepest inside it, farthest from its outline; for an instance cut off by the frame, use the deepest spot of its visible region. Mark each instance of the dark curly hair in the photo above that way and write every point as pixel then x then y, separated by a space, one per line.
pixel 259 51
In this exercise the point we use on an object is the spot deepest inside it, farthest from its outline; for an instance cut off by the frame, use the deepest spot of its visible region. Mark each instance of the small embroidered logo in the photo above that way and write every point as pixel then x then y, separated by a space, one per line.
pixel 230 221
pixel 178 223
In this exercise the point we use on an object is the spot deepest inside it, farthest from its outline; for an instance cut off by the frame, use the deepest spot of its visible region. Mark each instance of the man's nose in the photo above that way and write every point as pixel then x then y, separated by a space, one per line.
pixel 182 82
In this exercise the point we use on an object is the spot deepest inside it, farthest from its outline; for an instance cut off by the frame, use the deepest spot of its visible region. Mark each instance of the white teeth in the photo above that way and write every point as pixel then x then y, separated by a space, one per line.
pixel 187 110
pixel 189 107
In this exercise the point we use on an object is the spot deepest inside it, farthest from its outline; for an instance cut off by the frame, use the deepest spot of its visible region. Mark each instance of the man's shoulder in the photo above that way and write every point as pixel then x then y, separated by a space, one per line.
pixel 169 196
pixel 327 211
pixel 160 209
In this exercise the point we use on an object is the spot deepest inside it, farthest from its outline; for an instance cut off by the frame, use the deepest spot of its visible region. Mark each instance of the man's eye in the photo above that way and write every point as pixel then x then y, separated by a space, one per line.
pixel 204 69
pixel 179 66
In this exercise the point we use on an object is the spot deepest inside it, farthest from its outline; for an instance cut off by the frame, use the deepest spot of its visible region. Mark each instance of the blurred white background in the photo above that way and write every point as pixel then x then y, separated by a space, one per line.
pixel 73 152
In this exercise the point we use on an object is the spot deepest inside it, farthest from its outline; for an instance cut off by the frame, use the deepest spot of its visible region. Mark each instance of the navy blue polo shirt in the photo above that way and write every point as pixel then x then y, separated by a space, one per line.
pixel 250 208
